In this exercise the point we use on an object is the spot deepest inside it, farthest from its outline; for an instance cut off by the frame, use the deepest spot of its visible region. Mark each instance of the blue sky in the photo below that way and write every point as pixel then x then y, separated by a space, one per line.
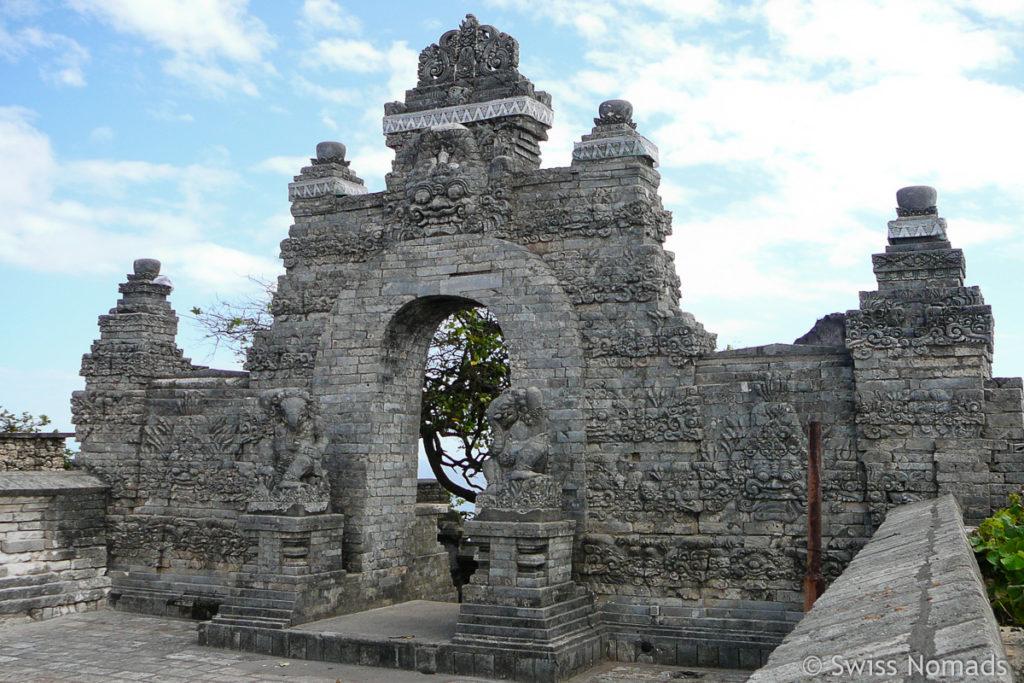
pixel 170 129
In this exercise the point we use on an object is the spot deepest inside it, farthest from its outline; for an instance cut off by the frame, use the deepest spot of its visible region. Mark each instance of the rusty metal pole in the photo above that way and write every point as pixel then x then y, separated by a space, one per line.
pixel 814 582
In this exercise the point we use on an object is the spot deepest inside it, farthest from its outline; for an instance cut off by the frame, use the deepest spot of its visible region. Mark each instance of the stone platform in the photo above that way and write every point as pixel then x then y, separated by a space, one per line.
pixel 105 646
pixel 416 635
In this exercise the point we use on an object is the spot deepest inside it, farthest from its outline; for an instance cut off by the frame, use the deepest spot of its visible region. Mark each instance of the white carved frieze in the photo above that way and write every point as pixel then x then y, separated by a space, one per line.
pixel 312 188
pixel 468 113
pixel 924 226
pixel 611 148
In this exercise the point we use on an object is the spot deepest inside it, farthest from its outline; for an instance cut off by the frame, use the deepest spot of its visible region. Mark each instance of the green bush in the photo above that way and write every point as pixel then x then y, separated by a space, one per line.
pixel 999 548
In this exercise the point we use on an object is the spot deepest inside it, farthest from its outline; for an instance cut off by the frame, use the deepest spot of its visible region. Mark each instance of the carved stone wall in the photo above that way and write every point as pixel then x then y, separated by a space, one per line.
pixel 682 469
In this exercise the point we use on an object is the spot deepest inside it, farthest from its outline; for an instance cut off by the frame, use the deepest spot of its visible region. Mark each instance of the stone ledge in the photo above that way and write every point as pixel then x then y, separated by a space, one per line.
pixel 912 596
pixel 43 483
pixel 36 435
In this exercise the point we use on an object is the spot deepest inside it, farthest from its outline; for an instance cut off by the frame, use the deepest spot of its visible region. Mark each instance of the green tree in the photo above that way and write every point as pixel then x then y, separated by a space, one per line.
pixel 26 422
pixel 467 367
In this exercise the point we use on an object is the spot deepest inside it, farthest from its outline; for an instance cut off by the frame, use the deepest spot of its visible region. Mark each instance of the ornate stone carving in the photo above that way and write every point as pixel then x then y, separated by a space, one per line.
pixel 917 227
pixel 282 361
pixel 664 562
pixel 291 479
pixel 516 465
pixel 446 191
pixel 353 246
pixel 471 50
pixel 651 414
pixel 470 113
pixel 207 542
pixel 519 428
pixel 758 462
pixel 190 457
pixel 90 408
pixel 921 412
pixel 950 297
pixel 667 492
pixel 633 275
pixel 902 329
pixel 604 214
pixel 680 340
pixel 311 188
pixel 919 265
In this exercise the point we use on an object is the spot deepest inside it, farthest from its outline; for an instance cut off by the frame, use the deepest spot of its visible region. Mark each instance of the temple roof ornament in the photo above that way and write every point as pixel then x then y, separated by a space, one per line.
pixel 472 50
pixel 917 215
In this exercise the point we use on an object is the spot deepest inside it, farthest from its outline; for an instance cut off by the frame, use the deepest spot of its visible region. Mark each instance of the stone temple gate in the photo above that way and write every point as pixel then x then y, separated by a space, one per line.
pixel 646 494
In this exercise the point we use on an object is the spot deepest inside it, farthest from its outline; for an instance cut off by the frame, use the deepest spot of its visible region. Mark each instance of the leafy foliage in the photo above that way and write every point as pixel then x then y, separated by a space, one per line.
pixel 233 323
pixel 467 367
pixel 999 548
pixel 26 422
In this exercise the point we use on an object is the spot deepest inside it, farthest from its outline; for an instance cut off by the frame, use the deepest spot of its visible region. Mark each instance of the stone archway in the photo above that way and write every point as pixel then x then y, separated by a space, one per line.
pixel 368 373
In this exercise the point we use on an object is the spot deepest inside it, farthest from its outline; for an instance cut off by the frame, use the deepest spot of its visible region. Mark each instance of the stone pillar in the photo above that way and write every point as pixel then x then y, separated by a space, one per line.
pixel 521 606
pixel 137 338
pixel 297 575
pixel 922 350
pixel 522 609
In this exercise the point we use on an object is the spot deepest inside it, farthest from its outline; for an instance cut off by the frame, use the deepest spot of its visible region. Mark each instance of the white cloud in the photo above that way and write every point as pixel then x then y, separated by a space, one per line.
pixel 95 216
pixel 64 66
pixel 345 54
pixel 328 15
pixel 212 78
pixel 165 112
pixel 101 134
pixel 284 165
pixel 202 28
pixel 199 33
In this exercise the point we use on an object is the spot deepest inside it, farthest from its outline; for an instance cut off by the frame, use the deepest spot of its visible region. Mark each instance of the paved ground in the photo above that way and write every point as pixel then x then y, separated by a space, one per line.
pixel 424 620
pixel 115 646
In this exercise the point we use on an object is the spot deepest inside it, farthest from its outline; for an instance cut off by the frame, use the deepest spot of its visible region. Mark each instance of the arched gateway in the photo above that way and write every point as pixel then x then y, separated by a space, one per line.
pixel 386 321
pixel 646 496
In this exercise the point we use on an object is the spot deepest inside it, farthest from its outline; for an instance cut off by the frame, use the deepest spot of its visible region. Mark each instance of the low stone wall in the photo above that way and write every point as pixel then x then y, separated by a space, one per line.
pixel 911 606
pixel 53 554
pixel 32 451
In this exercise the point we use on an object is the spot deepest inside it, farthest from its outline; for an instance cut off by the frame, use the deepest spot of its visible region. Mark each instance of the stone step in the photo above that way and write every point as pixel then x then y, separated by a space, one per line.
pixel 252 622
pixel 259 602
pixel 577 602
pixel 242 612
pixel 36 590
pixel 542 620
pixel 27 580
pixel 514 630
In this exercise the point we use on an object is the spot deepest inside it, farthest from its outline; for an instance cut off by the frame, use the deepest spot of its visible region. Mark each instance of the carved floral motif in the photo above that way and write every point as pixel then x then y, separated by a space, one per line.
pixel 919 412
pixel 472 50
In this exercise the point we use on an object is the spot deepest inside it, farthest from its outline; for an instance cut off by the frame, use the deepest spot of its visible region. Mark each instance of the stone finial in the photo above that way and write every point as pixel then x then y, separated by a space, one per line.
pixel 615 111
pixel 145 269
pixel 329 152
pixel 917 215
pixel 470 51
pixel 614 136
pixel 916 200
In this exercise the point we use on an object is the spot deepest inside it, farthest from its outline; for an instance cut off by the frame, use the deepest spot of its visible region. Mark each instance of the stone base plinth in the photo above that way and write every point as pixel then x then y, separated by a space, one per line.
pixel 297 575
pixel 522 607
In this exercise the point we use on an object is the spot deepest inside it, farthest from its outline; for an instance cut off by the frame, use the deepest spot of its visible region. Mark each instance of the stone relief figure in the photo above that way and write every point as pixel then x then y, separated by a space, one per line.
pixel 447 186
pixel 446 177
pixel 516 466
pixel 291 479
pixel 519 449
